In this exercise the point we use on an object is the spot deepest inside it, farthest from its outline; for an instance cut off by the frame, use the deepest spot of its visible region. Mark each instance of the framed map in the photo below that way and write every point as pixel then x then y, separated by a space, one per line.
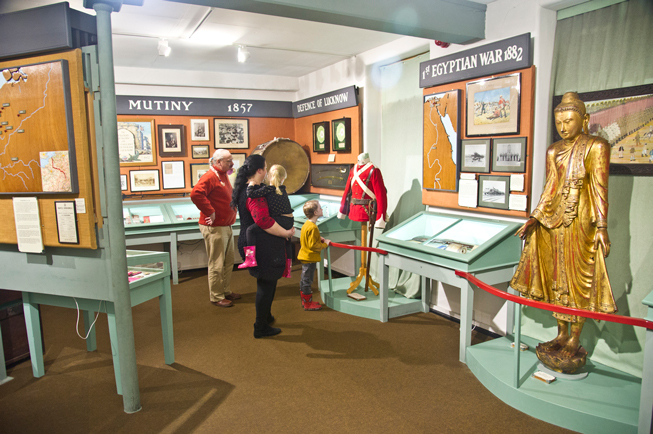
pixel 441 141
pixel 37 144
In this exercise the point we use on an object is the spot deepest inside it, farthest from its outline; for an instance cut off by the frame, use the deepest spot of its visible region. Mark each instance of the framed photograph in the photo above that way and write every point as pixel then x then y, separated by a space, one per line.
pixel 199 130
pixel 231 133
pixel 200 151
pixel 172 140
pixel 144 180
pixel 475 156
pixel 493 106
pixel 441 145
pixel 493 191
pixel 173 174
pixel 321 136
pixel 341 135
pixel 136 146
pixel 239 159
pixel 623 118
pixel 196 172
pixel 123 183
pixel 509 154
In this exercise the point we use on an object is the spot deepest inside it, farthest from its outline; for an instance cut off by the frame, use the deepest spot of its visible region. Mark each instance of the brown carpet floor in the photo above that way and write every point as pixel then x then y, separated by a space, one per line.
pixel 327 372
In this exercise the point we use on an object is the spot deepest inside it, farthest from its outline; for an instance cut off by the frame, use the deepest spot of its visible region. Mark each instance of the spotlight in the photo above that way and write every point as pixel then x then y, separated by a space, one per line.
pixel 243 54
pixel 164 48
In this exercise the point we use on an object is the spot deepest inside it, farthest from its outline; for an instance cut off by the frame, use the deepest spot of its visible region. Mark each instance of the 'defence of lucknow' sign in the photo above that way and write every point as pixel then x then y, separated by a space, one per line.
pixel 501 56
pixel 336 100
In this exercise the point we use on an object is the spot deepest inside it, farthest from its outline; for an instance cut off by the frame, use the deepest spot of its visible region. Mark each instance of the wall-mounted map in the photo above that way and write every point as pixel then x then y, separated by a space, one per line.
pixel 37 152
pixel 441 141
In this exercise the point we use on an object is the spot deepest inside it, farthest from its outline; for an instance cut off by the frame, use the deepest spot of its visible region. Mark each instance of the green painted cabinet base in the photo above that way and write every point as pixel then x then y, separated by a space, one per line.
pixel 607 401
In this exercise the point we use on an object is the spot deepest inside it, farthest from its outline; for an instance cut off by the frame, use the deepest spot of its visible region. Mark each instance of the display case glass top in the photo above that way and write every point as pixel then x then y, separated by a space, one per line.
pixel 329 222
pixel 143 214
pixel 144 266
pixel 452 238
pixel 184 211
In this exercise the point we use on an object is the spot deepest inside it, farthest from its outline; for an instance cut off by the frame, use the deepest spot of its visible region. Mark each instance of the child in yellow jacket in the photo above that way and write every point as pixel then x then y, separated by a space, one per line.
pixel 309 254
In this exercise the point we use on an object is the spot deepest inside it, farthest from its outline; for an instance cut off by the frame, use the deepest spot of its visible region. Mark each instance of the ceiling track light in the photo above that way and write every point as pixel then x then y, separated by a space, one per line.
pixel 164 48
pixel 243 54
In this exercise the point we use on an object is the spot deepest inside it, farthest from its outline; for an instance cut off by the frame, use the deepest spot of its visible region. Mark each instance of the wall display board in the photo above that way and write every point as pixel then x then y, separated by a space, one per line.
pixel 37 141
pixel 44 143
pixel 441 141
pixel 476 151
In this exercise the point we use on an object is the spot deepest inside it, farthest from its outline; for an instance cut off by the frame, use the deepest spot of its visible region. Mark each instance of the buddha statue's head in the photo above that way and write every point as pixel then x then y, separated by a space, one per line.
pixel 571 119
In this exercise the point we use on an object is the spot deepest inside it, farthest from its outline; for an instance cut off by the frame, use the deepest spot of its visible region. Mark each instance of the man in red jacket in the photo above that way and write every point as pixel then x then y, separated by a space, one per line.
pixel 212 195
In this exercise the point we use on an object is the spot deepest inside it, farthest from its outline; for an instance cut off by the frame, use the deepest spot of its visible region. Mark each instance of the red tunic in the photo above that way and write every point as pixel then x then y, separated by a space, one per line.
pixel 358 213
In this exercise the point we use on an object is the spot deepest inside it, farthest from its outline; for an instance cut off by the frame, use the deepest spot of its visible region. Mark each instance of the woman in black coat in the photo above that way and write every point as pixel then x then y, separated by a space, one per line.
pixel 270 247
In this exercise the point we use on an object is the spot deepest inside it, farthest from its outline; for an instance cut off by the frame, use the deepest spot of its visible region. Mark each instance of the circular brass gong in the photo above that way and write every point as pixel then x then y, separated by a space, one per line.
pixel 291 156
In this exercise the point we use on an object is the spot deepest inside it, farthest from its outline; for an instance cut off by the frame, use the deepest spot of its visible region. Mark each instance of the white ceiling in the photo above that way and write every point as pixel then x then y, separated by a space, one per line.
pixel 206 39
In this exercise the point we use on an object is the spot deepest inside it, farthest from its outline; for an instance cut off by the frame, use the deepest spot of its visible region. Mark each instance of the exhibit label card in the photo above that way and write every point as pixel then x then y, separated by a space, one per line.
pixel 468 193
pixel 66 222
pixel 28 224
pixel 517 202
pixel 516 182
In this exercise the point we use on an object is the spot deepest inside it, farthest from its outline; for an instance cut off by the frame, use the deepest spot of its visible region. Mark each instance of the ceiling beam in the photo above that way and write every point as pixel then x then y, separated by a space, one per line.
pixel 459 22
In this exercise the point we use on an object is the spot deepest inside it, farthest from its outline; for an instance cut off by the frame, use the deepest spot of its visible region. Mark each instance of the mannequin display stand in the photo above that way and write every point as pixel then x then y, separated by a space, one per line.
pixel 364 271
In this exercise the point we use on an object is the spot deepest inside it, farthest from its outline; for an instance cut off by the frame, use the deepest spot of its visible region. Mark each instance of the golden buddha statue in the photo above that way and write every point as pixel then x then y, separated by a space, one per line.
pixel 566 237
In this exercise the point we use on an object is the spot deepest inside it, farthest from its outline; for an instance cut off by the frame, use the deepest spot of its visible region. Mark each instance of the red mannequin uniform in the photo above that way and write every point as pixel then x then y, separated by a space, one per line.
pixel 357 179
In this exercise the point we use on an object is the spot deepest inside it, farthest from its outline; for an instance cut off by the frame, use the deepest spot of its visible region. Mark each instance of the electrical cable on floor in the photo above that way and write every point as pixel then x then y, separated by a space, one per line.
pixel 91 326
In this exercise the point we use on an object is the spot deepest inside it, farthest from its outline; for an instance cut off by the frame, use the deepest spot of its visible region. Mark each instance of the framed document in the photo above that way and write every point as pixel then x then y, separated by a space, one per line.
pixel 196 172
pixel 144 180
pixel 239 159
pixel 476 156
pixel 493 191
pixel 172 140
pixel 199 130
pixel 509 154
pixel 341 135
pixel 493 106
pixel 231 133
pixel 321 136
pixel 173 175
pixel 66 216
pixel 123 182
pixel 136 145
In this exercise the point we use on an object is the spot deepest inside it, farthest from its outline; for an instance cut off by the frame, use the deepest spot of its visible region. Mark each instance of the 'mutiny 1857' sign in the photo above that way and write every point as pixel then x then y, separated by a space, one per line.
pixel 152 105
pixel 336 100
pixel 501 56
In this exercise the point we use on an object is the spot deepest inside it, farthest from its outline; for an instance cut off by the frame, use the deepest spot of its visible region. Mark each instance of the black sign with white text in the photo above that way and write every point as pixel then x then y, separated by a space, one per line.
pixel 501 56
pixel 327 102
pixel 174 106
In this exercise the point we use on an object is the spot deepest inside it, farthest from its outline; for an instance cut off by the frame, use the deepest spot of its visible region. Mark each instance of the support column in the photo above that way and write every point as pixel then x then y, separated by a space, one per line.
pixel 117 248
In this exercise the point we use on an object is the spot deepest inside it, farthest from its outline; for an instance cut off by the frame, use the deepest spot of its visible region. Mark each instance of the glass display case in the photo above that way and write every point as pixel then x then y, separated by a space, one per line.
pixel 181 212
pixel 144 266
pixel 135 214
pixel 452 239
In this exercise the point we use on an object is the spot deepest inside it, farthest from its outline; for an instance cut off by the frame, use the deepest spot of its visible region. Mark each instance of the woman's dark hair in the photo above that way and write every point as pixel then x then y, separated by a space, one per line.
pixel 249 168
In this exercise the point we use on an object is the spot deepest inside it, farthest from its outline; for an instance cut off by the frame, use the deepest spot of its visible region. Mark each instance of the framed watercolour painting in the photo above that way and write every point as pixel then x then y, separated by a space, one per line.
pixel 172 140
pixel 136 145
pixel 200 151
pixel 441 153
pixel 623 117
pixel 196 172
pixel 493 106
pixel 321 137
pixel 509 154
pixel 493 191
pixel 231 133
pixel 199 130
pixel 475 156
pixel 144 180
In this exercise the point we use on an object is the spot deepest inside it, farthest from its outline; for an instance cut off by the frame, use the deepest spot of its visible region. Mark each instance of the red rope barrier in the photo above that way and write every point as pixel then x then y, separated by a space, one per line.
pixel 365 249
pixel 639 322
